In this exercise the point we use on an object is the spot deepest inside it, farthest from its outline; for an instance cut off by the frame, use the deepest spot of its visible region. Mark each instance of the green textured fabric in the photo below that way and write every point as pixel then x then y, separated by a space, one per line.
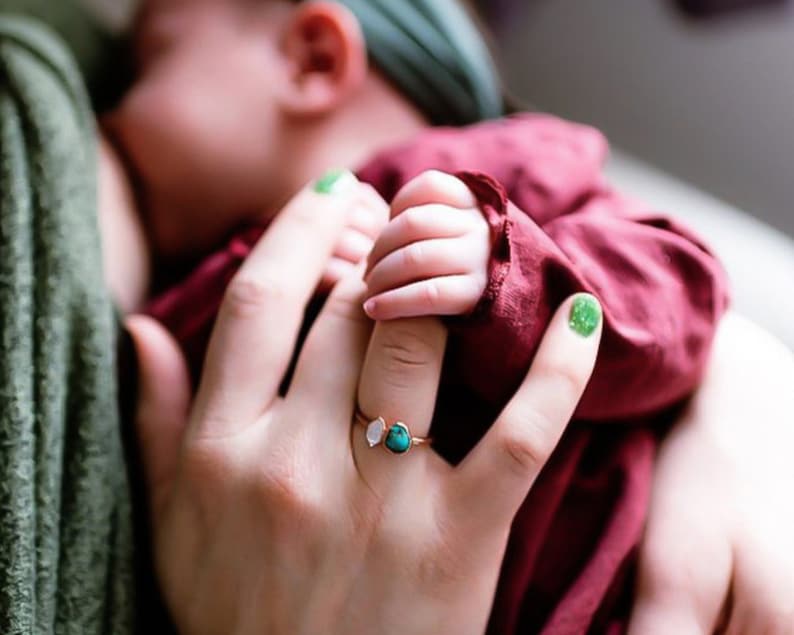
pixel 99 55
pixel 65 521
pixel 431 50
pixel 85 39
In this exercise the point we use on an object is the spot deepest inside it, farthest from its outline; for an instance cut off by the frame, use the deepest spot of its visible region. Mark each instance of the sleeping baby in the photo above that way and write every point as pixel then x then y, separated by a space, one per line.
pixel 487 221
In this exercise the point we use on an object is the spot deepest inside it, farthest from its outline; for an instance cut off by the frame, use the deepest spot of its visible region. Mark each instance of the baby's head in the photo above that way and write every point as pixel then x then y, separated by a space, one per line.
pixel 238 103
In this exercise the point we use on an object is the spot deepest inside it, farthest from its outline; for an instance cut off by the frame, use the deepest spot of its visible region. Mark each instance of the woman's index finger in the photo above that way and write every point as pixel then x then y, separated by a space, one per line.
pixel 263 308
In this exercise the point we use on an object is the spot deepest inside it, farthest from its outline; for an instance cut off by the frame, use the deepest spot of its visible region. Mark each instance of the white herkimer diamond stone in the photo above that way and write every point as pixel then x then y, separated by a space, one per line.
pixel 375 432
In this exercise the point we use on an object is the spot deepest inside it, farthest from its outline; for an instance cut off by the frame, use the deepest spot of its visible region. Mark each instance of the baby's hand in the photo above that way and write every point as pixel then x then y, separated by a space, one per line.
pixel 432 258
pixel 369 214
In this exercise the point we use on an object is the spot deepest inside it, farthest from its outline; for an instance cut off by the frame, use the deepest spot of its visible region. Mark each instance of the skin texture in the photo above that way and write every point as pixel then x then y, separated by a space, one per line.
pixel 270 517
pixel 234 111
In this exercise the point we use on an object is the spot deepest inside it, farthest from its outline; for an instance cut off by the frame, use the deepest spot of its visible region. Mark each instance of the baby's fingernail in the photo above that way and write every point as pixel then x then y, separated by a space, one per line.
pixel 369 307
pixel 586 315
pixel 334 182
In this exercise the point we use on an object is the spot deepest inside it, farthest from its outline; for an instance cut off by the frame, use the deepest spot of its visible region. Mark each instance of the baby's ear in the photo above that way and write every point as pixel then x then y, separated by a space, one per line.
pixel 326 57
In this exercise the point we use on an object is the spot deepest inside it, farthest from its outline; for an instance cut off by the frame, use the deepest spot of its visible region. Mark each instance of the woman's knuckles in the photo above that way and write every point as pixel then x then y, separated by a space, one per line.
pixel 218 478
pixel 406 348
pixel 294 501
pixel 248 295
pixel 448 558
pixel 523 453
pixel 205 472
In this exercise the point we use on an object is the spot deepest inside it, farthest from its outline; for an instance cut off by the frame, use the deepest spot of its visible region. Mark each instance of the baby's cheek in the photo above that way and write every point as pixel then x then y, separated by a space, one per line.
pixel 188 162
pixel 164 125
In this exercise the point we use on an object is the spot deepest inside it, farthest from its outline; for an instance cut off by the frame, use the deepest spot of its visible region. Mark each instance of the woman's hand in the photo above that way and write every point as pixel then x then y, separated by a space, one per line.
pixel 273 515
pixel 719 549
pixel 367 215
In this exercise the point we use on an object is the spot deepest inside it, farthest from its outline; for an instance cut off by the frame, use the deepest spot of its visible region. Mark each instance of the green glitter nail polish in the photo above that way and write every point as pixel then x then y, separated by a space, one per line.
pixel 327 183
pixel 585 315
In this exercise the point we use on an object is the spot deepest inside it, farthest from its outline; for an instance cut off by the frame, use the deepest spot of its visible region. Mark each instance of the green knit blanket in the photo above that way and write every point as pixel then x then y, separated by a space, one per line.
pixel 66 541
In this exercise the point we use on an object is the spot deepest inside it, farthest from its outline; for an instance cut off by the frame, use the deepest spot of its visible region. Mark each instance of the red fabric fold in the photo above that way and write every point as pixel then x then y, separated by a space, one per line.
pixel 557 229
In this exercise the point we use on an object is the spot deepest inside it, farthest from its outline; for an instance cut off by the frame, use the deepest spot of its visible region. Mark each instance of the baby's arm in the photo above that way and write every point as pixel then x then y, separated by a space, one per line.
pixel 432 258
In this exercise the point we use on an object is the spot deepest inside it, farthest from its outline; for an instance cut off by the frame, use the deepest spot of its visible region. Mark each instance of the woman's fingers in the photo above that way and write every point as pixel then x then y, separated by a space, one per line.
pixel 353 246
pixel 487 488
pixel 330 363
pixel 366 219
pixel 399 383
pixel 262 311
pixel 371 213
pixel 163 403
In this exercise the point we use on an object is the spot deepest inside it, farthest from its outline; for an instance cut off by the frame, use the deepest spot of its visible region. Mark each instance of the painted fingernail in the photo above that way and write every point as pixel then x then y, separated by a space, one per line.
pixel 334 181
pixel 585 315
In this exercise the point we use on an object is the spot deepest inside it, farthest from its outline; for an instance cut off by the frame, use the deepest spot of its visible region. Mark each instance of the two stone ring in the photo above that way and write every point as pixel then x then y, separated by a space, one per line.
pixel 395 438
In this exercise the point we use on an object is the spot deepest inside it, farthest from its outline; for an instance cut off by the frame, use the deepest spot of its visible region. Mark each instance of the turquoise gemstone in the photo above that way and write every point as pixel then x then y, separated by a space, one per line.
pixel 399 439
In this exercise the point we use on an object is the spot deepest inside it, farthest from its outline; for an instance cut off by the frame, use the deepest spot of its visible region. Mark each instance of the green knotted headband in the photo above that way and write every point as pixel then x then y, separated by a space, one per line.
pixel 432 51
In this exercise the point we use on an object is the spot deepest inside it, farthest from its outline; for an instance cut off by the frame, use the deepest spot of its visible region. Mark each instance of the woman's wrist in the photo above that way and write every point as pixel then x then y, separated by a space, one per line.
pixel 126 258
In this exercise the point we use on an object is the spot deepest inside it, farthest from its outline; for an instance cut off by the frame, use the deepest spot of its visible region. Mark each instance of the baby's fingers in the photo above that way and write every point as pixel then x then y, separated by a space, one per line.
pixel 449 295
pixel 425 260
pixel 423 223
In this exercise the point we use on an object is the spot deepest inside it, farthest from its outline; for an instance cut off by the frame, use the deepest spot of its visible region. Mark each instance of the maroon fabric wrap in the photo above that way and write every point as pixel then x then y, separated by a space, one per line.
pixel 557 229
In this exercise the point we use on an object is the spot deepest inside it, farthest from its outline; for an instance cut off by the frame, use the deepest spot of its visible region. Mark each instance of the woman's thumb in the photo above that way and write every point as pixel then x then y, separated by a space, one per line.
pixel 163 402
